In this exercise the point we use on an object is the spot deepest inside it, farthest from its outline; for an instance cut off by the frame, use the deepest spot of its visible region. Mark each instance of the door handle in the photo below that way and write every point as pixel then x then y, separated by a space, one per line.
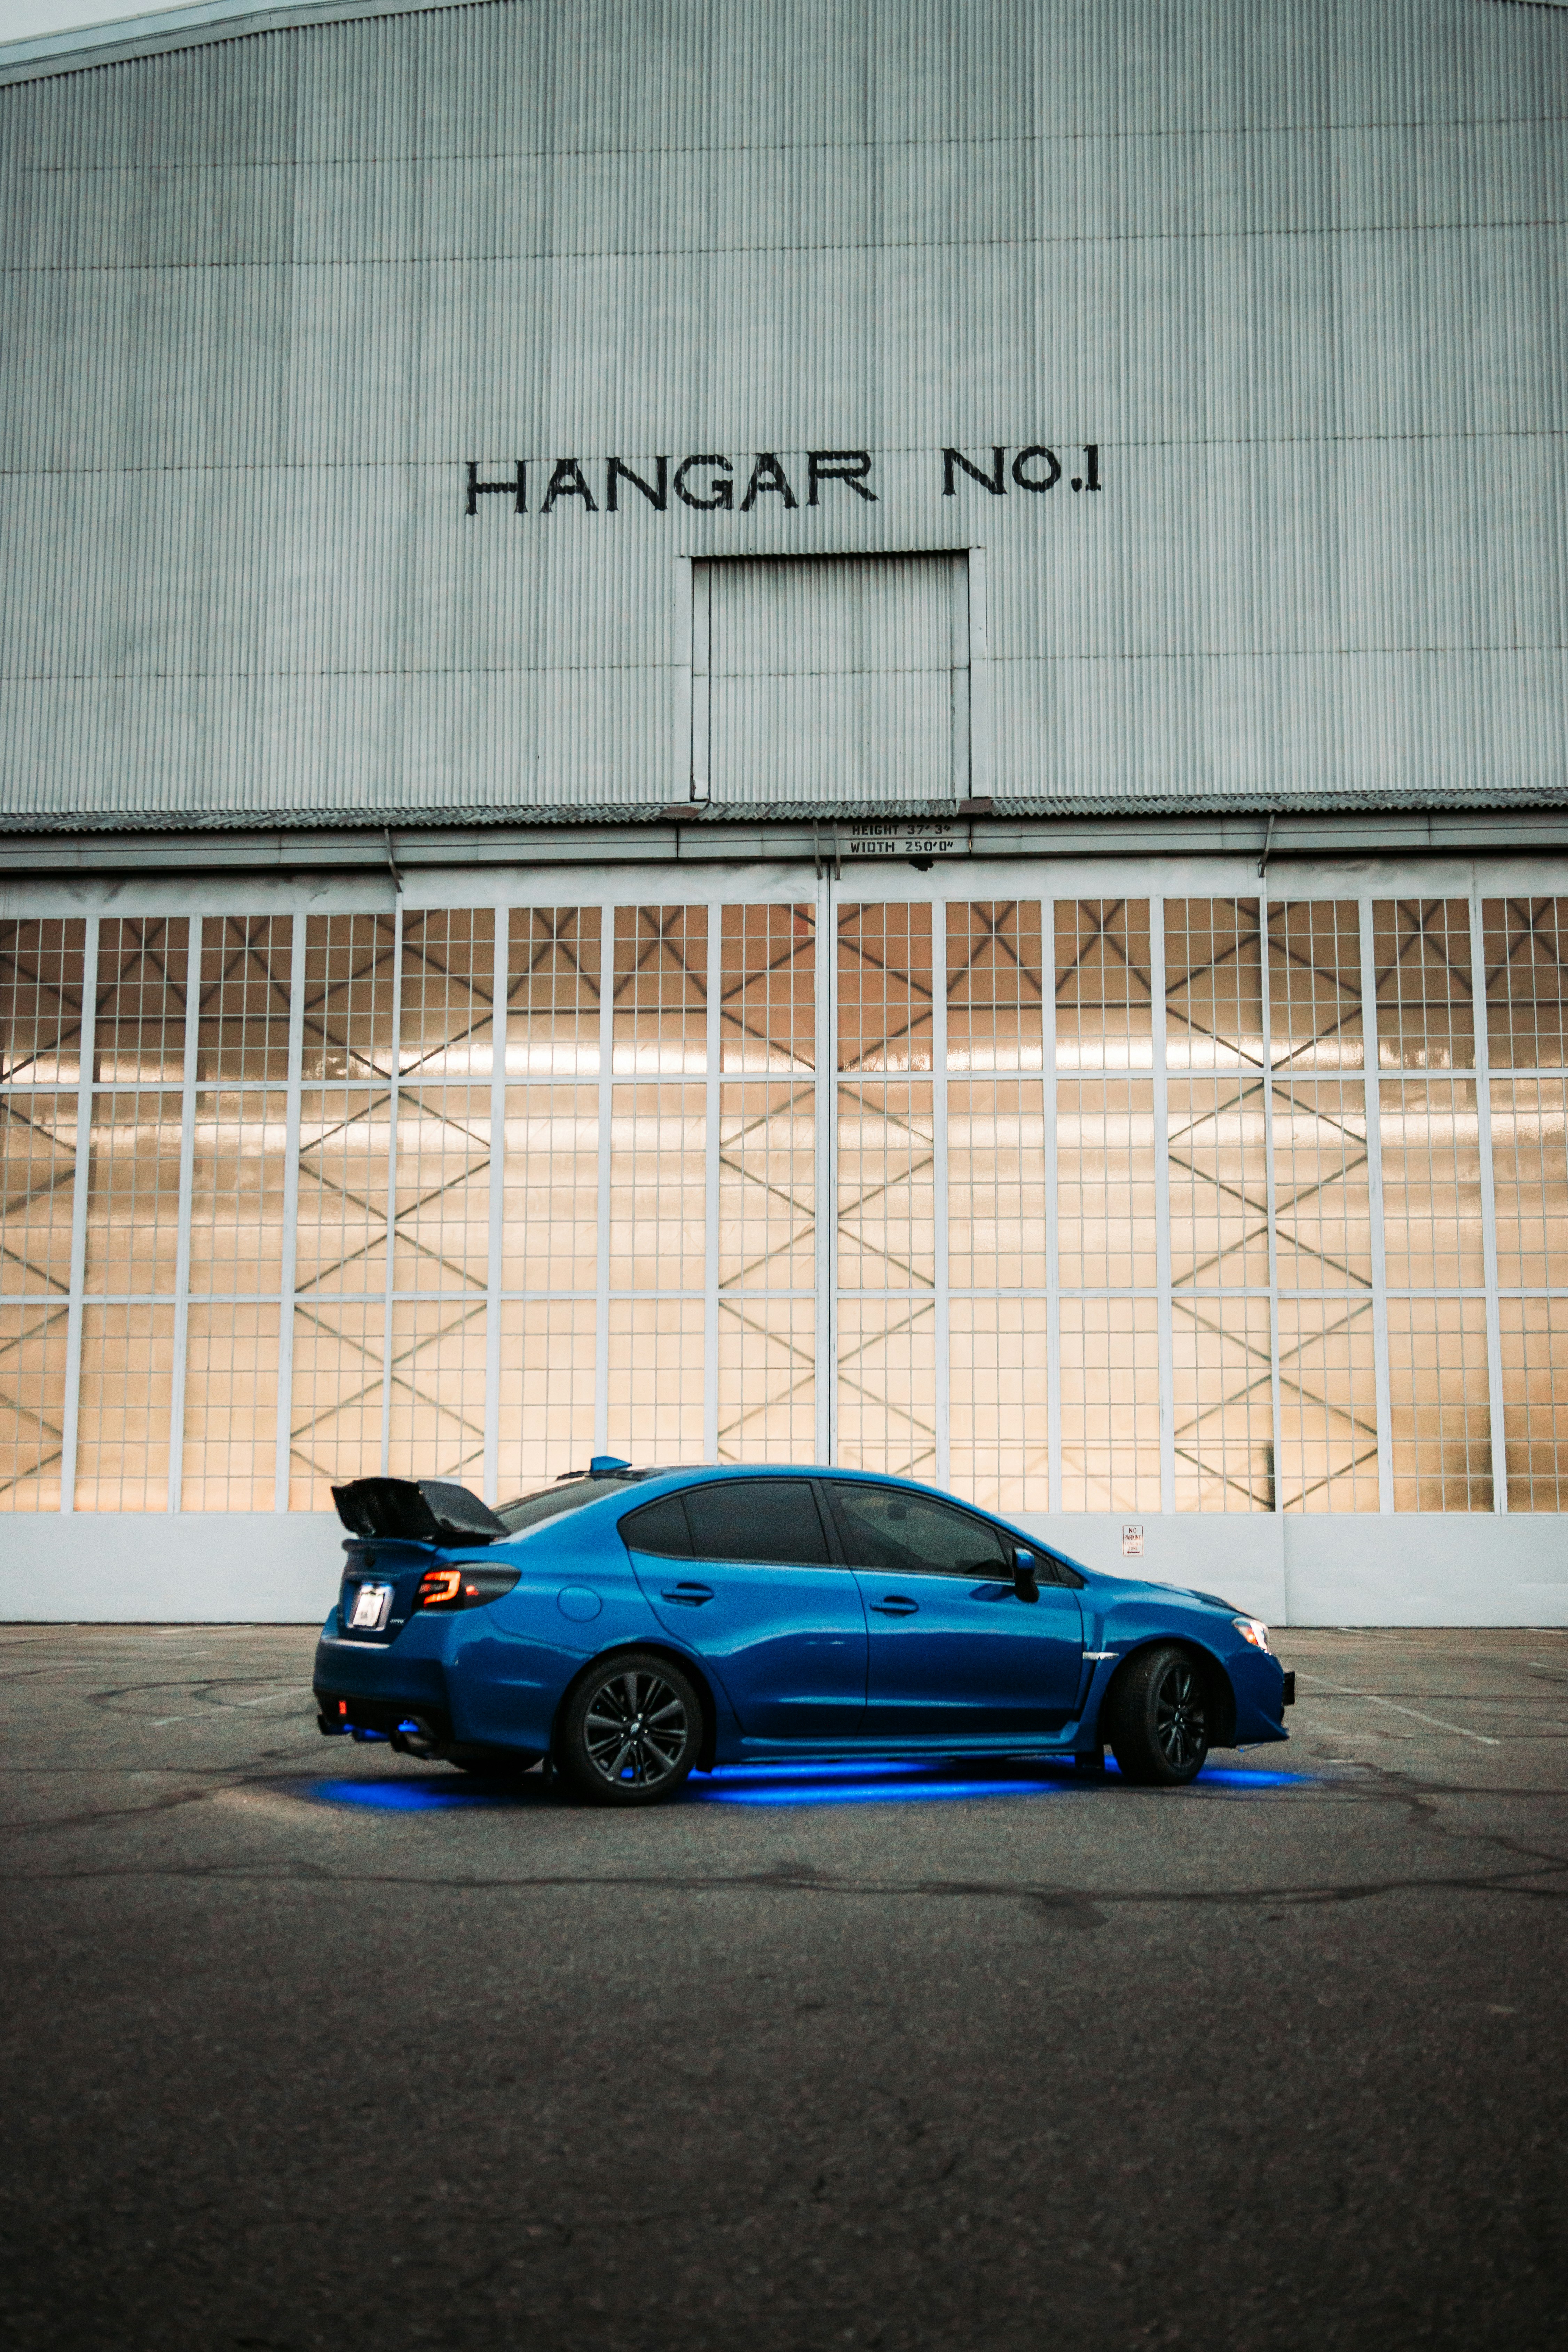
pixel 688 1596
pixel 896 1604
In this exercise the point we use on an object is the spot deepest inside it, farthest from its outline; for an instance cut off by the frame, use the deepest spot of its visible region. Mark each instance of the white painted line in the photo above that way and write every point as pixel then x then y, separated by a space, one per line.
pixel 1373 1699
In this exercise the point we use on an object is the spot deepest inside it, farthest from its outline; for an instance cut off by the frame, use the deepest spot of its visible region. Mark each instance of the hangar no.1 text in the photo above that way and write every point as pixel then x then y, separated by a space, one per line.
pixel 711 481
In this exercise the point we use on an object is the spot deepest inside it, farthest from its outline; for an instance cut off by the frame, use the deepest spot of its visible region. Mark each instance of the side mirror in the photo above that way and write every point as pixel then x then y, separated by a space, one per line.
pixel 1025 1576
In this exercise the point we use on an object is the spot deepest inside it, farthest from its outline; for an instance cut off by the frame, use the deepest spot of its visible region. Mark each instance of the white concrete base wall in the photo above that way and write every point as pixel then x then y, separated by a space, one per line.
pixel 1358 1569
pixel 264 1568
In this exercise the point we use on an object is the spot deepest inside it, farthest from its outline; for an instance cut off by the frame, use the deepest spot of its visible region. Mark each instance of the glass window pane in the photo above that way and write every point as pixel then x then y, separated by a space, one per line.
pixel 437 1376
pixel 886 1186
pixel 767 1186
pixel 767 1006
pixel 1314 984
pixel 139 1028
pixel 910 1535
pixel 550 1232
pixel 996 1402
pixel 1421 950
pixel 236 1191
pixel 1219 1187
pixel 37 1185
pixel 447 1015
pixel 443 1234
pixel 1214 984
pixel 32 1405
pixel 242 1029
pixel 41 986
pixel 122 1427
pixel 996 1184
pixel 1104 995
pixel 1328 1406
pixel 995 985
pixel 886 1386
pixel 657 1199
pixel 1530 1171
pixel 1105 1183
pixel 1525 947
pixel 552 989
pixel 659 1528
pixel 1224 1404
pixel 133 1193
pixel 335 1431
pixel 1431 1183
pixel 1110 1404
pixel 661 988
pixel 767 1378
pixel 345 1140
pixel 656 1381
pixel 350 990
pixel 231 1409
pixel 772 1521
pixel 884 988
pixel 546 1391
pixel 1441 1416
pixel 1323 1209
pixel 1535 1403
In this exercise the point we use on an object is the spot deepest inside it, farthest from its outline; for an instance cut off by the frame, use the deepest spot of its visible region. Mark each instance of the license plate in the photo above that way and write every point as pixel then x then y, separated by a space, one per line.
pixel 369 1607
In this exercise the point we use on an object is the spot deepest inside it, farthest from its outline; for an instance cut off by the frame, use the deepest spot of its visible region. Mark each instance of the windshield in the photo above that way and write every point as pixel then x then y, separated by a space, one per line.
pixel 567 1495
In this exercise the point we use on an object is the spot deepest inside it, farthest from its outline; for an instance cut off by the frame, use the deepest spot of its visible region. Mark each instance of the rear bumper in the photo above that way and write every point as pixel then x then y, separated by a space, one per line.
pixel 365 1687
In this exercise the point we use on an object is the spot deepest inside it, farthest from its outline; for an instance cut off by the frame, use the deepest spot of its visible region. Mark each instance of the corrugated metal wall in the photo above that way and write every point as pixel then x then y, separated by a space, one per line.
pixel 1295 266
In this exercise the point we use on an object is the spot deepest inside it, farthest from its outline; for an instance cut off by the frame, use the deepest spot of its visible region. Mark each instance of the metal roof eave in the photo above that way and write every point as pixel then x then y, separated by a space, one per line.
pixel 164 30
pixel 742 840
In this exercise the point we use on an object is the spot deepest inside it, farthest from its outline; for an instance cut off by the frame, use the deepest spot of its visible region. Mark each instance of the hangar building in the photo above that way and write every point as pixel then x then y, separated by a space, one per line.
pixel 756 733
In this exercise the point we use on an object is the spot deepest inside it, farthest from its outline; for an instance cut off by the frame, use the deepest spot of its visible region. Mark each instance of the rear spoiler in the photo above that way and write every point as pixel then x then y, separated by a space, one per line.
pixel 417 1510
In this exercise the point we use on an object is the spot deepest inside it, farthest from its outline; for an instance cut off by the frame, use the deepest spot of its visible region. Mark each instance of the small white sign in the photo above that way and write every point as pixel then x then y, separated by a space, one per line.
pixel 1133 1539
pixel 887 838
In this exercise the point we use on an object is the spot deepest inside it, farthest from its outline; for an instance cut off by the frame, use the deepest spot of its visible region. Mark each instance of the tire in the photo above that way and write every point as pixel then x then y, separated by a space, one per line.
pixel 632 1731
pixel 1159 1719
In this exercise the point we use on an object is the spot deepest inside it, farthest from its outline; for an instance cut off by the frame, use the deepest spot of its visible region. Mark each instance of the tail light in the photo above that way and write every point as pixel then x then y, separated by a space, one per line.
pixel 468 1587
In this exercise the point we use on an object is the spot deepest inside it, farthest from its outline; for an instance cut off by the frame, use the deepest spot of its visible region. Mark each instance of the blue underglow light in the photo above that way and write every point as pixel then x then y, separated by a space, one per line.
pixel 876 1780
pixel 404 1796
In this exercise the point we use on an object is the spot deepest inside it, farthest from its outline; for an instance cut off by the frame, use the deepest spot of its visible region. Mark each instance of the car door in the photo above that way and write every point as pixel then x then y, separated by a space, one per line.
pixel 954 1653
pixel 740 1570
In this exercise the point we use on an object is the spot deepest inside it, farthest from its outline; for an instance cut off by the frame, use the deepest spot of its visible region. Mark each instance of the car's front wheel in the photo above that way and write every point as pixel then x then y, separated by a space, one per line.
pixel 1158 1719
pixel 632 1731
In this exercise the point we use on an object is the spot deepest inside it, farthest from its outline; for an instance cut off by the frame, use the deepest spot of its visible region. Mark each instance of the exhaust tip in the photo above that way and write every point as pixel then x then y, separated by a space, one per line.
pixel 416 1737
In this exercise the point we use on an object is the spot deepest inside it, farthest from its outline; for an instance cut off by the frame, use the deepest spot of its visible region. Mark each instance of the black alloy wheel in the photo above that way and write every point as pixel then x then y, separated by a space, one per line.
pixel 1157 1718
pixel 632 1731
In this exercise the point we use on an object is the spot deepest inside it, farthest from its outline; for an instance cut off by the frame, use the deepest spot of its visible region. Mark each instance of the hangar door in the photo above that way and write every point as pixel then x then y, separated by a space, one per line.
pixel 477 1192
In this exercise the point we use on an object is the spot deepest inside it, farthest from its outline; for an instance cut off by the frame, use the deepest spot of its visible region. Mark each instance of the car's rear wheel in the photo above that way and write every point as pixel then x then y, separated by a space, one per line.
pixel 1159 1719
pixel 632 1731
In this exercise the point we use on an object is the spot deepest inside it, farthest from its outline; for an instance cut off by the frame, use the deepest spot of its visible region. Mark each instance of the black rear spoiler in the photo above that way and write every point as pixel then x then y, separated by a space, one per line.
pixel 417 1510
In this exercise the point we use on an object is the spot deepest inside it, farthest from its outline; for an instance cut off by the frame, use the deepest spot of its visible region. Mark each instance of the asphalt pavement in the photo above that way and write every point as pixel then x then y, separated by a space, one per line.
pixel 308 2045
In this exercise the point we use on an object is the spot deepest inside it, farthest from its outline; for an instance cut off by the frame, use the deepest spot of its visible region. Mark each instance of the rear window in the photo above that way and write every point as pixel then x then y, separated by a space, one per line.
pixel 773 1521
pixel 569 1495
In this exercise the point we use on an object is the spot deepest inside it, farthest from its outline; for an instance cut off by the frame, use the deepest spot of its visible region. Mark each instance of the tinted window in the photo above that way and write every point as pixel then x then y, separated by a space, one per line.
pixel 772 1521
pixel 567 1495
pixel 659 1527
pixel 910 1535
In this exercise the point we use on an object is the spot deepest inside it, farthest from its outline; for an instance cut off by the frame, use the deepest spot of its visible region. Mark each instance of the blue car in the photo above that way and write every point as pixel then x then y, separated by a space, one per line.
pixel 633 1626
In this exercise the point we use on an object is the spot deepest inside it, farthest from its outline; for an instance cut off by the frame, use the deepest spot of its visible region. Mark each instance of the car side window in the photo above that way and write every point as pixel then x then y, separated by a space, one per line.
pixel 900 1534
pixel 659 1528
pixel 773 1522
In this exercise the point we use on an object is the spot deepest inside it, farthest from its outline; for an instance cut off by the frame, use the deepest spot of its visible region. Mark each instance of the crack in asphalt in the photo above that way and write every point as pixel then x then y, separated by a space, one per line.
pixel 1079 1907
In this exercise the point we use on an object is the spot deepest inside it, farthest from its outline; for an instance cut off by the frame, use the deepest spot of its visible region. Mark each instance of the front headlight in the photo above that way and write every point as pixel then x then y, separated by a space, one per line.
pixel 1253 1630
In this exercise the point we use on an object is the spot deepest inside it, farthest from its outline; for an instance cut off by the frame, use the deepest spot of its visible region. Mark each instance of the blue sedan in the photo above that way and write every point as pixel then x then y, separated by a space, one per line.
pixel 632 1626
